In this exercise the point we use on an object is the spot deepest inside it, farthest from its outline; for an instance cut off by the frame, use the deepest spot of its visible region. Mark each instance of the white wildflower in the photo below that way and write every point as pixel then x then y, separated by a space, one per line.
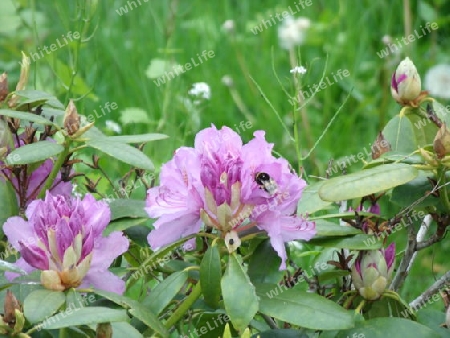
pixel 437 81
pixel 200 90
pixel 292 31
pixel 298 70
pixel 113 126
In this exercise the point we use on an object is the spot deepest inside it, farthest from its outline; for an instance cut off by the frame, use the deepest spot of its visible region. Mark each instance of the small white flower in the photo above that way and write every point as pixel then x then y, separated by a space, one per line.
pixel 291 33
pixel 387 40
pixel 113 126
pixel 227 80
pixel 200 90
pixel 228 26
pixel 298 70
pixel 437 81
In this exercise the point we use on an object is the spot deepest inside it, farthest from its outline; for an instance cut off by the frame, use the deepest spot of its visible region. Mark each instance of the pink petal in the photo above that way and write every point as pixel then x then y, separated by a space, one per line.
pixel 168 233
pixel 17 229
pixel 107 249
pixel 103 280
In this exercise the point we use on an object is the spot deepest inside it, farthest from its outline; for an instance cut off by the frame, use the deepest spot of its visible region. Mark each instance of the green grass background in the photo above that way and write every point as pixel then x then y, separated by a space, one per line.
pixel 111 66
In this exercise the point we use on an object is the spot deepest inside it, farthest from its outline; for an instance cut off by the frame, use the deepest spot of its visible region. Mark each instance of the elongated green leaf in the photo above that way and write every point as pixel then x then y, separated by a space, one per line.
pixel 127 208
pixel 137 310
pixel 137 138
pixel 122 152
pixel 25 116
pixel 34 152
pixel 123 329
pixel 123 224
pixel 85 316
pixel 424 130
pixel 37 97
pixel 389 327
pixel 310 201
pixel 8 203
pixel 399 133
pixel 325 228
pixel 165 291
pixel 6 266
pixel 433 319
pixel 357 242
pixel 298 307
pixel 41 304
pixel 210 275
pixel 241 303
pixel 366 182
pixel 281 333
pixel 264 264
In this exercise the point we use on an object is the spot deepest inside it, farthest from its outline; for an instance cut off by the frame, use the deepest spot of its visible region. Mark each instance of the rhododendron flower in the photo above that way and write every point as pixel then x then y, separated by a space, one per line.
pixel 228 186
pixel 63 238
pixel 372 271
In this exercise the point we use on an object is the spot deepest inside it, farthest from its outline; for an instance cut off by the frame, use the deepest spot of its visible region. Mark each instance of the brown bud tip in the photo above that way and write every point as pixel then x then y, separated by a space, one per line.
pixel 441 144
pixel 104 330
pixel 71 119
pixel 3 87
pixel 380 146
pixel 11 304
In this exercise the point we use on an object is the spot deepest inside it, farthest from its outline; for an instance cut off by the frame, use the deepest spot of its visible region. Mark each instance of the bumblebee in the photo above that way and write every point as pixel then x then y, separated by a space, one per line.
pixel 266 182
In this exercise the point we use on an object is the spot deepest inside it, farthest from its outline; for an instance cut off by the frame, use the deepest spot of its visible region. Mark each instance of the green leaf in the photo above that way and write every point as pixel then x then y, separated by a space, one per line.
pixel 357 242
pixel 399 132
pixel 424 130
pixel 8 203
pixel 239 297
pixel 137 310
pixel 302 308
pixel 26 116
pixel 6 266
pixel 389 327
pixel 36 98
pixel 34 152
pixel 281 333
pixel 310 201
pixel 85 316
pixel 41 304
pixel 434 320
pixel 325 228
pixel 122 152
pixel 264 264
pixel 366 182
pixel 121 208
pixel 123 329
pixel 409 193
pixel 210 275
pixel 137 138
pixel 165 292
pixel 123 224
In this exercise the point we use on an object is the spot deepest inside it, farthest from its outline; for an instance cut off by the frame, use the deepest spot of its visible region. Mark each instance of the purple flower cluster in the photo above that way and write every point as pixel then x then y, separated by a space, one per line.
pixel 230 187
pixel 63 238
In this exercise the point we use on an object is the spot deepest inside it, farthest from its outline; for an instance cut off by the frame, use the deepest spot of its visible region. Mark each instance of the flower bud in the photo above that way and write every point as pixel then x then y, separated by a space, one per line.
pixel 23 79
pixel 10 306
pixel 441 143
pixel 406 84
pixel 104 330
pixel 71 119
pixel 372 271
pixel 3 87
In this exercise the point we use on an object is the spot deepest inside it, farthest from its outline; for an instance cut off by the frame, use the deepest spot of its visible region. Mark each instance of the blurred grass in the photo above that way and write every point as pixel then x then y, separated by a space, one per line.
pixel 112 62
